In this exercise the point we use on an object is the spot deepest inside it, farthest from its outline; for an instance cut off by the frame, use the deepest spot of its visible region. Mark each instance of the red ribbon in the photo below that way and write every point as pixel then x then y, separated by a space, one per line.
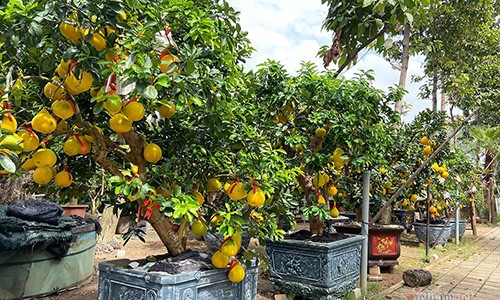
pixel 255 185
pixel 164 54
pixel 71 103
pixel 233 264
pixel 150 206
pixel 85 151
pixel 29 129
pixel 8 106
pixel 131 100
pixel 233 186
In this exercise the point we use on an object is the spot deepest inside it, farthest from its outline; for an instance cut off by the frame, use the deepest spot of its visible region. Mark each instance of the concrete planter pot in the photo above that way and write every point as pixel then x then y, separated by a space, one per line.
pixel 434 230
pixel 117 282
pixel 384 246
pixel 26 274
pixel 315 270
pixel 404 218
pixel 462 226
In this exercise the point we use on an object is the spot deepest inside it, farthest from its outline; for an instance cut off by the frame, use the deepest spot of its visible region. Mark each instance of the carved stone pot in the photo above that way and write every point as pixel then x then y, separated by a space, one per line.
pixel 116 282
pixel 384 246
pixel 315 270
pixel 434 230
pixel 462 226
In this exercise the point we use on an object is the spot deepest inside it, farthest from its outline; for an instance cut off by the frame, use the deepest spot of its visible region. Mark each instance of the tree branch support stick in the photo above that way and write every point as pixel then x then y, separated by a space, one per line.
pixel 428 221
pixel 424 164
pixel 457 225
pixel 364 231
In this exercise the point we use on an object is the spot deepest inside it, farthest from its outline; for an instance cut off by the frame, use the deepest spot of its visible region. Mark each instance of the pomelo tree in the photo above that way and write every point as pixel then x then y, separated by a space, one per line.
pixel 152 93
pixel 333 129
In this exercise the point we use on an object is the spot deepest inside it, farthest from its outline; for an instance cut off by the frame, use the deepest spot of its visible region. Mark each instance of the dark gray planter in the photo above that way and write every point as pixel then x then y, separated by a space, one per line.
pixel 462 225
pixel 404 218
pixel 315 270
pixel 116 282
pixel 434 230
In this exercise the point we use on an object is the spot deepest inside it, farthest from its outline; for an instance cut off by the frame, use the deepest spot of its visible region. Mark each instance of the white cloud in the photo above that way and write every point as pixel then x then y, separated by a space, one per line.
pixel 289 31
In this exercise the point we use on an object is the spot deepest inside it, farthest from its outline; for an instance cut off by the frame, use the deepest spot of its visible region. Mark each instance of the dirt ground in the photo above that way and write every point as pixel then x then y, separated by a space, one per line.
pixel 412 256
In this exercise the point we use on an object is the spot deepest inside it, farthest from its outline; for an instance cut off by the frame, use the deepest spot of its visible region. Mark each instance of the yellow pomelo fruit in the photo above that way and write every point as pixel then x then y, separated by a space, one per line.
pixel 30 140
pixel 236 273
pixel 107 31
pixel 53 91
pixel 321 199
pixel 166 61
pixel 28 165
pixel 77 85
pixel 119 123
pixel 167 111
pixel 62 68
pixel 414 198
pixel 9 123
pixel 219 260
pixel 44 158
pixel 256 198
pixel 432 209
pixel 319 180
pixel 113 105
pixel 332 190
pixel 237 191
pixel 94 91
pixel 152 153
pixel 98 41
pixel 63 109
pixel 213 185
pixel 42 175
pixel 229 248
pixel 69 31
pixel 320 132
pixel 62 127
pixel 427 150
pixel 63 179
pixel 227 185
pixel 44 122
pixel 199 228
pixel 334 212
pixel 445 174
pixel 216 220
pixel 424 140
pixel 199 197
pixel 134 110
pixel 237 238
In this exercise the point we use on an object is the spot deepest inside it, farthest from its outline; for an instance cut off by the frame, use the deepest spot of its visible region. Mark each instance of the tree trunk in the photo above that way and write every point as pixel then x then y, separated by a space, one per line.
pixel 473 217
pixel 434 83
pixel 315 226
pixel 490 179
pixel 443 101
pixel 405 58
pixel 109 221
pixel 163 228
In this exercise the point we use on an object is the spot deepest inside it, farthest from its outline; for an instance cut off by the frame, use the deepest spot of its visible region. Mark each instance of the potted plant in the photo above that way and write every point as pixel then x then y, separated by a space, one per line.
pixel 319 128
pixel 153 104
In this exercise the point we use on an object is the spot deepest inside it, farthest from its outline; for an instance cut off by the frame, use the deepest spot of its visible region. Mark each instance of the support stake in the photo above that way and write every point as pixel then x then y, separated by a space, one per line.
pixel 364 231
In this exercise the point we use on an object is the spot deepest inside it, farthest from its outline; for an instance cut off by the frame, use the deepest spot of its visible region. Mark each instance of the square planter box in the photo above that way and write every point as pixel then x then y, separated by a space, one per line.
pixel 384 246
pixel 117 282
pixel 315 270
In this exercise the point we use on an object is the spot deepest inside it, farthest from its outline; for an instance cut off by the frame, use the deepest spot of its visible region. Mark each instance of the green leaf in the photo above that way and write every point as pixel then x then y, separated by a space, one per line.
pixel 12 146
pixel 163 80
pixel 150 92
pixel 7 163
pixel 367 3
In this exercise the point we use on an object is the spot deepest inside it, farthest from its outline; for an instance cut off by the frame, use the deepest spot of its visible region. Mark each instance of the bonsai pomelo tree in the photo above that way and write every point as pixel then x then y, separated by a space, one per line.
pixel 331 128
pixel 152 94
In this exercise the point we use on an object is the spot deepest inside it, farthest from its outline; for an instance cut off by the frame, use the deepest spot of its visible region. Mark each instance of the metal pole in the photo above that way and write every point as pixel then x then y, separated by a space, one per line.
pixel 457 225
pixel 364 231
pixel 428 201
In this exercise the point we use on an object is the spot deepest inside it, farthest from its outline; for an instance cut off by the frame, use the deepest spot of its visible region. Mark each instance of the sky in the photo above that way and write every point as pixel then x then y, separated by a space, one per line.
pixel 290 31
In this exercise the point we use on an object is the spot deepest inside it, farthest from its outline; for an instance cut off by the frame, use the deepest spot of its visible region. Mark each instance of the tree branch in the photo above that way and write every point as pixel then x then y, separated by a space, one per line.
pixel 115 148
pixel 101 158
pixel 352 55
pixel 136 143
